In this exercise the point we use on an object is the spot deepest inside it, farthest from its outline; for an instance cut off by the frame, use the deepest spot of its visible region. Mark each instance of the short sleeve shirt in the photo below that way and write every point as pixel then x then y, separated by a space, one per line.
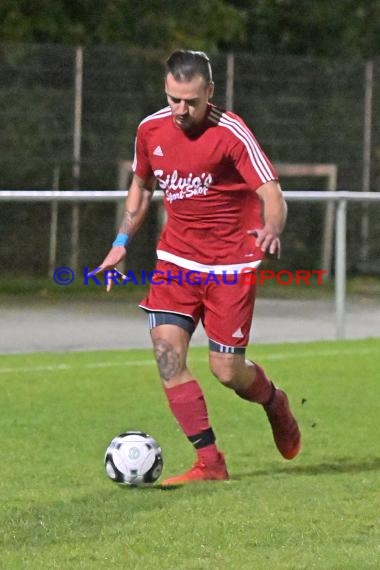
pixel 209 181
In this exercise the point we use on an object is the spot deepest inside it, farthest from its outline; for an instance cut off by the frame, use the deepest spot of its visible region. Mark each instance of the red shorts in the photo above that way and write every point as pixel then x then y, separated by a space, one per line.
pixel 225 310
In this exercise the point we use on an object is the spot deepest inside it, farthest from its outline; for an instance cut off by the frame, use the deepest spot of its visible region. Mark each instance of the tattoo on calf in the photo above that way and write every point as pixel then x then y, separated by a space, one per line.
pixel 168 359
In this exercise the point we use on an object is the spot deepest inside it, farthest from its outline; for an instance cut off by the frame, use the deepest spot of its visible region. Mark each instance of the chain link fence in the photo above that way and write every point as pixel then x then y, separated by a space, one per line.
pixel 69 122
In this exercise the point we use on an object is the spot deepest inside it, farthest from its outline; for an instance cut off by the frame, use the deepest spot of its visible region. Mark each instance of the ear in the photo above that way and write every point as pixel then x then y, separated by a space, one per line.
pixel 210 89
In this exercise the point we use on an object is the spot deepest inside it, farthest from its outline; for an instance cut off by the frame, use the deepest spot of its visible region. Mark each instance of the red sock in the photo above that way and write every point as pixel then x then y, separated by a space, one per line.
pixel 260 390
pixel 188 406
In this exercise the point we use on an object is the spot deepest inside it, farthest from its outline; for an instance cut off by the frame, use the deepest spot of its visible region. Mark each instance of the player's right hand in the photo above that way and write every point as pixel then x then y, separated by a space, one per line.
pixel 267 240
pixel 114 256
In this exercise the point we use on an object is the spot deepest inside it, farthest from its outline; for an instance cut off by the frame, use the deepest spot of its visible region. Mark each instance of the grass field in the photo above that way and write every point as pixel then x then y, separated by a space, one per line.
pixel 58 412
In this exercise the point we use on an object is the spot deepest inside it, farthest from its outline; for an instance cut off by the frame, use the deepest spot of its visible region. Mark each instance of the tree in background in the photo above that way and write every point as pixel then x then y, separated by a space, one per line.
pixel 144 24
pixel 348 28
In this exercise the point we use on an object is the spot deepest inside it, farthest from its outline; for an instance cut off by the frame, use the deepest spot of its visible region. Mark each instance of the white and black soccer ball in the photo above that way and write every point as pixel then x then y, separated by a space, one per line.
pixel 134 458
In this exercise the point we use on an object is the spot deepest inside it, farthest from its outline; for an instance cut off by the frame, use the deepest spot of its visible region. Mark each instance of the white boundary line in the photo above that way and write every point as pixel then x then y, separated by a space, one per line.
pixel 150 362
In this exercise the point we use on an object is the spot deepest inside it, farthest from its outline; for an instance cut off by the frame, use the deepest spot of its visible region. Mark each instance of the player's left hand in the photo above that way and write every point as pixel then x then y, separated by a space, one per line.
pixel 267 240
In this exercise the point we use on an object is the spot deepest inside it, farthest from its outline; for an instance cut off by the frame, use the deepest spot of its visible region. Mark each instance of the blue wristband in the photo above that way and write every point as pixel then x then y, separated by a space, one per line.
pixel 121 239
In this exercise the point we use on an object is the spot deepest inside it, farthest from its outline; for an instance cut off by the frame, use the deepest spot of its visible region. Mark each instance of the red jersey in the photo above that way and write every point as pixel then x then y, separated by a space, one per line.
pixel 209 182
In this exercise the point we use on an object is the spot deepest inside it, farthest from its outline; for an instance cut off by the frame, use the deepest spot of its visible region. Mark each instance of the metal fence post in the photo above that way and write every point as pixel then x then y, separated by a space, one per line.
pixel 340 267
pixel 230 78
pixel 77 140
pixel 53 225
pixel 367 135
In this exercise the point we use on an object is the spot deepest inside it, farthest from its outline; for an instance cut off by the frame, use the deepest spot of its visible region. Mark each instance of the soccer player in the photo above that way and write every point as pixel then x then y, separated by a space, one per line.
pixel 225 210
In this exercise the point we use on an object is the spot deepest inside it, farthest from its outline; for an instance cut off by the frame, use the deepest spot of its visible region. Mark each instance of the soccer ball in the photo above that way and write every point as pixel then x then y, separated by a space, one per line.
pixel 133 458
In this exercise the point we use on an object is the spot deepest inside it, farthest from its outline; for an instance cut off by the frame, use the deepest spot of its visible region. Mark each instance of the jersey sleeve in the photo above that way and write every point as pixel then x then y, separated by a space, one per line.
pixel 249 159
pixel 141 163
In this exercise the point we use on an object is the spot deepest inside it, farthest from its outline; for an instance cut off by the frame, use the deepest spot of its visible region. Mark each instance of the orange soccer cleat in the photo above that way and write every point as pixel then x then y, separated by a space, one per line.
pixel 285 429
pixel 201 471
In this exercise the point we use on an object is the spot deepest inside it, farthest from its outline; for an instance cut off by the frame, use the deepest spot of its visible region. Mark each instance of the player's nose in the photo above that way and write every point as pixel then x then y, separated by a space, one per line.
pixel 182 108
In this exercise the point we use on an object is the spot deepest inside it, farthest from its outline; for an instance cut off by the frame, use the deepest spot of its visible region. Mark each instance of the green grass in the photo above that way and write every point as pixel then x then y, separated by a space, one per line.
pixel 321 511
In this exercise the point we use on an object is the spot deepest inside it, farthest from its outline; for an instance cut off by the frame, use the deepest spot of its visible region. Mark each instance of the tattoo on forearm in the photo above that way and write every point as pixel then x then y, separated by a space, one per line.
pixel 168 359
pixel 128 222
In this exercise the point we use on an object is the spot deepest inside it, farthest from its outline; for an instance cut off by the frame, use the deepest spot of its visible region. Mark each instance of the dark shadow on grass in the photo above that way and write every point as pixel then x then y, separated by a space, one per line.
pixel 149 488
pixel 340 465
pixel 161 487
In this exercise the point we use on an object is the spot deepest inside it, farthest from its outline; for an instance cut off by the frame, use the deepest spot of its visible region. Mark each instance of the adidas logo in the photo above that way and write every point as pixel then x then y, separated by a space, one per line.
pixel 238 333
pixel 158 151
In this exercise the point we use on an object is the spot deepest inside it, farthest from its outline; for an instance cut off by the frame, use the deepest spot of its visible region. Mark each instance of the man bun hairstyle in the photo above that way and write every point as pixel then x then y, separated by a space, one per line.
pixel 185 64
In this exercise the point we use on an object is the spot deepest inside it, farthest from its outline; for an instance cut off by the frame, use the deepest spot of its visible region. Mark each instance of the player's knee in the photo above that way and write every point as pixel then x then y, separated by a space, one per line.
pixel 225 371
pixel 170 360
